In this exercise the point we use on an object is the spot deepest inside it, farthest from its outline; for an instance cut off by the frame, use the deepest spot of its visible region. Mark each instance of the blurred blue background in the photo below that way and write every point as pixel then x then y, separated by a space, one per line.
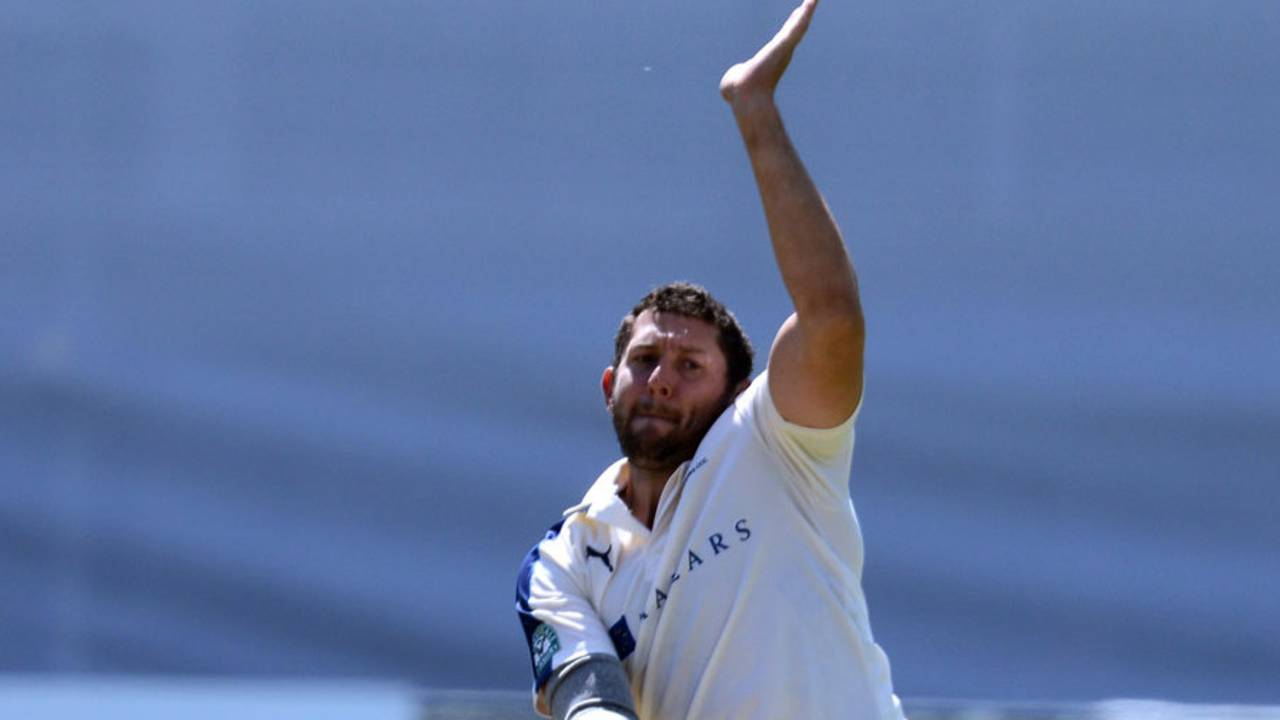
pixel 303 307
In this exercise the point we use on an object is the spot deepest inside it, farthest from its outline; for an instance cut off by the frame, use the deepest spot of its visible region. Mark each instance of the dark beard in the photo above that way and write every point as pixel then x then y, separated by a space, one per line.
pixel 667 451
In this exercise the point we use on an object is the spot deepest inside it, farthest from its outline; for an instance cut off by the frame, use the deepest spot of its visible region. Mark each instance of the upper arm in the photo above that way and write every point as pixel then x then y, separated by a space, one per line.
pixel 815 368
pixel 556 612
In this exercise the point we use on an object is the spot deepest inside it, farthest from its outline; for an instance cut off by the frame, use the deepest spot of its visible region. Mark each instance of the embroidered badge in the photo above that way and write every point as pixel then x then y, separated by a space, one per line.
pixel 544 645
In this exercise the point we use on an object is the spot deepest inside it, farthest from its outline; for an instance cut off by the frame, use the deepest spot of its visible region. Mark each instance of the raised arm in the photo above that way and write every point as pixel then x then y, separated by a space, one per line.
pixel 815 365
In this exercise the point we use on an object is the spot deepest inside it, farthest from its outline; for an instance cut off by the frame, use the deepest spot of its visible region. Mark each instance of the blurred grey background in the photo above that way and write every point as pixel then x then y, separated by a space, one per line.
pixel 303 307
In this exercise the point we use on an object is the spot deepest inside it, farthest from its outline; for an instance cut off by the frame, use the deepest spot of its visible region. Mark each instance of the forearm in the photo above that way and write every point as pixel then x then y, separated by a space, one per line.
pixel 593 687
pixel 815 364
pixel 807 244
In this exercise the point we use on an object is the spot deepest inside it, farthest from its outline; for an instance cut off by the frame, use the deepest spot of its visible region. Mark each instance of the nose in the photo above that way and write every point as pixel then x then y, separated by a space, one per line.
pixel 661 383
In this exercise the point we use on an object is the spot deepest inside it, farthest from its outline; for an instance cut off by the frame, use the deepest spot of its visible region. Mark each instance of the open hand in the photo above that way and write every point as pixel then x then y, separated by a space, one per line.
pixel 759 76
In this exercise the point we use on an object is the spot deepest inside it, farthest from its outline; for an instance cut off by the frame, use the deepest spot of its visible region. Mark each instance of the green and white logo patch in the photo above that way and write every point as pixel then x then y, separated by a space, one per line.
pixel 545 645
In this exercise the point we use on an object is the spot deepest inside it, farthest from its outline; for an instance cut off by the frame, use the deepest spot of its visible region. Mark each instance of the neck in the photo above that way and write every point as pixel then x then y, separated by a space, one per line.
pixel 642 490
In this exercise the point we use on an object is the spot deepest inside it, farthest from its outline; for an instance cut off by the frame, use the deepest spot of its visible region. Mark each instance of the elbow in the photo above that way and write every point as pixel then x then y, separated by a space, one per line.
pixel 845 333
pixel 838 328
pixel 838 312
pixel 830 295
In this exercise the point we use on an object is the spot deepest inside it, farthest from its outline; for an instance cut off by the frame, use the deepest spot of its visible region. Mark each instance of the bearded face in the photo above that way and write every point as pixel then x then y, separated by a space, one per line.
pixel 654 437
pixel 667 390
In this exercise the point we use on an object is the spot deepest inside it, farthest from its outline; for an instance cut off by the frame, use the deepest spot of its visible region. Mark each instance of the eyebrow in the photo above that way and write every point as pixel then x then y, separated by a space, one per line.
pixel 682 347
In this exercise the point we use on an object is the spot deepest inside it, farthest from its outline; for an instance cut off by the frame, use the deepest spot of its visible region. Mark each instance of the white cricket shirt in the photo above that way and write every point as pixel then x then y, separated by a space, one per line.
pixel 744 601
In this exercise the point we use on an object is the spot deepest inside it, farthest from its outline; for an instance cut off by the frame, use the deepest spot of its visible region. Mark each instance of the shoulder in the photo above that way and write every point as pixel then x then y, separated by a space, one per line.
pixel 757 404
pixel 758 398
pixel 534 556
pixel 755 409
pixel 562 544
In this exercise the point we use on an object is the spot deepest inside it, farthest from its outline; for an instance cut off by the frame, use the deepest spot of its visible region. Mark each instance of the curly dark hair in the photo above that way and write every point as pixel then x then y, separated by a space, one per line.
pixel 683 298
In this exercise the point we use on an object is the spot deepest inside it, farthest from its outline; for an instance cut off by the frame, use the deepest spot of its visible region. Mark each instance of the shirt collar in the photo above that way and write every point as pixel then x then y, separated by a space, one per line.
pixel 602 502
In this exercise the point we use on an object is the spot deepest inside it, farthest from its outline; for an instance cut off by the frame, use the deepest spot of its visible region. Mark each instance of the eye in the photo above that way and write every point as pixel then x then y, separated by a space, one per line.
pixel 691 365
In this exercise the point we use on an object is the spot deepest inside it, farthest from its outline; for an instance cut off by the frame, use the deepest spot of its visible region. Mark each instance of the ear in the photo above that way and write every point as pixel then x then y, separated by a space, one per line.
pixel 606 384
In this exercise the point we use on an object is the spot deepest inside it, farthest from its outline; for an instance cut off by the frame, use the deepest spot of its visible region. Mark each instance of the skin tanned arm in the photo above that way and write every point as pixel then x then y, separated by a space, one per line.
pixel 815 365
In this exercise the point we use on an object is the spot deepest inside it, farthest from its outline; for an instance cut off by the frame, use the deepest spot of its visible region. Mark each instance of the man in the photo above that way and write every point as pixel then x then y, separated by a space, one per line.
pixel 715 570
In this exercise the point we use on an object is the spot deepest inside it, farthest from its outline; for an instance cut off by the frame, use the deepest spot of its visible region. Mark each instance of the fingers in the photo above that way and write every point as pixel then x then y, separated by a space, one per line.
pixel 794 29
pixel 798 22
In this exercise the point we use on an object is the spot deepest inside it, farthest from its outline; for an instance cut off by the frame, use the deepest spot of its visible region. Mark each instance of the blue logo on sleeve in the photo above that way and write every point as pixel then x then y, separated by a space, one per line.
pixel 623 642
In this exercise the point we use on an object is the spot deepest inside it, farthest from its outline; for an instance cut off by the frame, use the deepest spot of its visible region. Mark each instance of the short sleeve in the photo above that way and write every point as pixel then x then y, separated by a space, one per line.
pixel 559 621
pixel 818 458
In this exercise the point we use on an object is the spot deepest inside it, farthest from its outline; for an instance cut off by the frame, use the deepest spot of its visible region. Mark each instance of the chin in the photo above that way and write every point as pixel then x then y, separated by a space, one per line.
pixel 665 456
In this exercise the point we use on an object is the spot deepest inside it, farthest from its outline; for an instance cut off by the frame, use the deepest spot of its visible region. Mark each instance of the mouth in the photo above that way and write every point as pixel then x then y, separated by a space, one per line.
pixel 659 422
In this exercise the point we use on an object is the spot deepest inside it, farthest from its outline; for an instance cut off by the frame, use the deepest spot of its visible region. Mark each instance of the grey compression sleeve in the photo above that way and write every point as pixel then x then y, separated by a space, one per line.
pixel 593 687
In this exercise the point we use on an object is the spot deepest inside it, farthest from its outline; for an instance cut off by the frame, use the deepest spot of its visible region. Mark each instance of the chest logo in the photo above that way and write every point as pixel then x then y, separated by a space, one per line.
pixel 603 556
pixel 716 544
